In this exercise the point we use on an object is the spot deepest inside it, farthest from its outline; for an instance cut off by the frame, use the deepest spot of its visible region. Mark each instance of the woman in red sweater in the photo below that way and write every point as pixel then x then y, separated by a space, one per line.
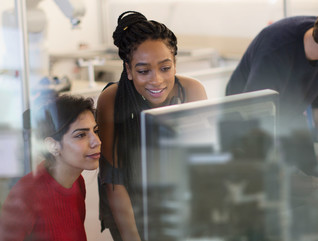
pixel 49 203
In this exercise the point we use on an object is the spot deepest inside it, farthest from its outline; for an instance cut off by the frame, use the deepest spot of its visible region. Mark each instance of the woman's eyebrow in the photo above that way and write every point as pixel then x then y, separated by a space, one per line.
pixel 146 64
pixel 85 129
pixel 165 60
pixel 81 129
pixel 141 64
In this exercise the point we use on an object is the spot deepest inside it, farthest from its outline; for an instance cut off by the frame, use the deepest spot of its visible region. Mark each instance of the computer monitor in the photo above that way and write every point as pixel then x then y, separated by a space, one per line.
pixel 209 169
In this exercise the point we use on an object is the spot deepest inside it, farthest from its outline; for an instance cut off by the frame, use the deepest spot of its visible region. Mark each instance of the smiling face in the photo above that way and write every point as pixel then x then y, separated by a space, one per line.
pixel 79 148
pixel 152 69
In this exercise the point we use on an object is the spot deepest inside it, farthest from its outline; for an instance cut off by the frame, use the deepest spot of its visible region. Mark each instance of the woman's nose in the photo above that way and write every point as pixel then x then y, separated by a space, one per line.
pixel 156 78
pixel 95 141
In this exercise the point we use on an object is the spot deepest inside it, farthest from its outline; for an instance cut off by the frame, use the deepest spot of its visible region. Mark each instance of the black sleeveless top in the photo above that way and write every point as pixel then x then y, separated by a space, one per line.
pixel 110 175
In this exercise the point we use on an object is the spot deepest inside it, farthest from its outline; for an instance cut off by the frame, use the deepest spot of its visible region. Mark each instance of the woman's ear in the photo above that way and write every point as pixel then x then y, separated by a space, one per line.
pixel 52 146
pixel 128 71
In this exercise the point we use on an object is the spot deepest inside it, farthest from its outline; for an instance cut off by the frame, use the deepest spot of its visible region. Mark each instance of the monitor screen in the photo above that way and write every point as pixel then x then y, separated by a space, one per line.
pixel 210 171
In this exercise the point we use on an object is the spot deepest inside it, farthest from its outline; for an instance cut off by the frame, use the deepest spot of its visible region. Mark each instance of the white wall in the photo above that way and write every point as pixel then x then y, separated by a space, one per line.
pixel 60 35
pixel 202 17
pixel 231 18
pixel 228 25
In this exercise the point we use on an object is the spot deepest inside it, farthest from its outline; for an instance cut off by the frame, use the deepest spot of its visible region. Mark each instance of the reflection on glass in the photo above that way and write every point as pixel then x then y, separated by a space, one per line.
pixel 212 170
pixel 227 169
pixel 11 136
pixel 11 120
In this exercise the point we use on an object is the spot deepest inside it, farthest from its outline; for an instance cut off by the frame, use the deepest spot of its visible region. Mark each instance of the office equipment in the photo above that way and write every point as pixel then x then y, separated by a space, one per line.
pixel 210 170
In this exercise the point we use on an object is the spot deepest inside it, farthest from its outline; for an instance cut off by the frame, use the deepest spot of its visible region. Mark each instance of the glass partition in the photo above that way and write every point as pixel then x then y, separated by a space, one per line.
pixel 214 170
pixel 12 139
pixel 227 169
pixel 209 166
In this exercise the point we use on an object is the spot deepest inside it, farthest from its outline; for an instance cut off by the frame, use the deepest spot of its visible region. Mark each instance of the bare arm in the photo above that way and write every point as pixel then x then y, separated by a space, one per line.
pixel 118 196
pixel 122 211
pixel 194 89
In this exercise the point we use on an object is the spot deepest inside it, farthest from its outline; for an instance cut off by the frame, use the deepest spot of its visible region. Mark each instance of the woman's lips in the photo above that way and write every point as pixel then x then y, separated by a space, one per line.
pixel 156 92
pixel 94 156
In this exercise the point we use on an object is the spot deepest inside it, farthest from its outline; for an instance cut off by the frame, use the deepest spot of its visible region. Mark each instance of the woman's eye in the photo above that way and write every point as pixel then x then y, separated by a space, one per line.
pixel 143 71
pixel 81 135
pixel 165 69
pixel 96 131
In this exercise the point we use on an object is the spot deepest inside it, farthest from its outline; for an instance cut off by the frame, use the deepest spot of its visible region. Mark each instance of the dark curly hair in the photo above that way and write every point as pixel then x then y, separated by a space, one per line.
pixel 133 29
pixel 54 118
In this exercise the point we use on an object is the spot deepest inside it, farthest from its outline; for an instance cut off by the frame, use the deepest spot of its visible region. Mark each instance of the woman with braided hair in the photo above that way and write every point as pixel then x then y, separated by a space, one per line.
pixel 148 80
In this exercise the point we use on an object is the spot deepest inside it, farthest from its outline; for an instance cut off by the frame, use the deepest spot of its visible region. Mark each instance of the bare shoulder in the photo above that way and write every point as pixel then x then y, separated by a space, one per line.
pixel 106 99
pixel 105 120
pixel 194 89
pixel 105 106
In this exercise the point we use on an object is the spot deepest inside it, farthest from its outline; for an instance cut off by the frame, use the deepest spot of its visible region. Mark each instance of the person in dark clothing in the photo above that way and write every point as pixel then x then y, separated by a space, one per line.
pixel 283 57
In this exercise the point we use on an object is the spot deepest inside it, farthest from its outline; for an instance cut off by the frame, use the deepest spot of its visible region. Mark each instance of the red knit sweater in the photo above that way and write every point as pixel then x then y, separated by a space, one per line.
pixel 38 208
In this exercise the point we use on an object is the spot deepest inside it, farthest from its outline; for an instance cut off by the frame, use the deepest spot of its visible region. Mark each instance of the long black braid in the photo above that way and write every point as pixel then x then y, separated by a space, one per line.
pixel 315 31
pixel 132 30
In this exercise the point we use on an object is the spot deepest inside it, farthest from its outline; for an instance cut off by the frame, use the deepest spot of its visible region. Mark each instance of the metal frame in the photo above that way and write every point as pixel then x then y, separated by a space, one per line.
pixel 20 6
